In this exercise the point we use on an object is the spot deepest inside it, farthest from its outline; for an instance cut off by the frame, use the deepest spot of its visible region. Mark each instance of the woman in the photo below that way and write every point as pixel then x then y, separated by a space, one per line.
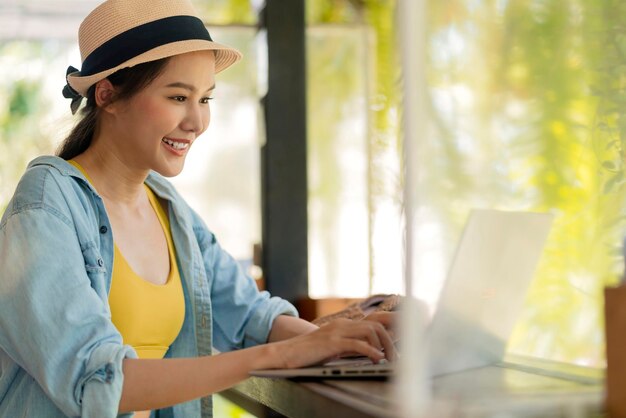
pixel 112 290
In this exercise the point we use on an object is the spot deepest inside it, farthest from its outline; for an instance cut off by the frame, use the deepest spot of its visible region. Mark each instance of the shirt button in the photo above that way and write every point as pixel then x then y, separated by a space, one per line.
pixel 203 321
pixel 103 229
pixel 100 262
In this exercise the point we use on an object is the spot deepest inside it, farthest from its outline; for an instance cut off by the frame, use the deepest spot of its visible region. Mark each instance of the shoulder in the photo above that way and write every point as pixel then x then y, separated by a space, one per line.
pixel 49 183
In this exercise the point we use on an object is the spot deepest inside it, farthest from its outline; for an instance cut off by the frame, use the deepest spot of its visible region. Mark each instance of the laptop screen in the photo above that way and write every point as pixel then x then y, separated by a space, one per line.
pixel 484 293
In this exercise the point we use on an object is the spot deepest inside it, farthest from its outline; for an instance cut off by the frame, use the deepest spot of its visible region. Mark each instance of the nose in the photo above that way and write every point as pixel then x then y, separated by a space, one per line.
pixel 196 118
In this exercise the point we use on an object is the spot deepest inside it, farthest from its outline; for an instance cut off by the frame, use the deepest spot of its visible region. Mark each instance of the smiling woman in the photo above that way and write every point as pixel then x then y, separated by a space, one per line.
pixel 121 292
pixel 175 110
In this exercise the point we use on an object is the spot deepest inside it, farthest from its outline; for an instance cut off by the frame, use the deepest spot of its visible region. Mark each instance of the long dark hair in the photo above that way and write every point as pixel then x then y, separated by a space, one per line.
pixel 128 82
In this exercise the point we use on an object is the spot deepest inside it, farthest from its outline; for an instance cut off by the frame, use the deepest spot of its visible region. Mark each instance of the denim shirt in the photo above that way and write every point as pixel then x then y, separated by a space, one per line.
pixel 60 354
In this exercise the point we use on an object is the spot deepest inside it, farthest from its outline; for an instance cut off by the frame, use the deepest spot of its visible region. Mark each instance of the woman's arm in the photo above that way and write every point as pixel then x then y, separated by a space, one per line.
pixel 285 327
pixel 153 384
pixel 242 316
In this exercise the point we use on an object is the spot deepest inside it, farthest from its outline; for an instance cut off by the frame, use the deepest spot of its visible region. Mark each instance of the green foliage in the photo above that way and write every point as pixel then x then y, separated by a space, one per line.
pixel 20 105
pixel 333 11
pixel 378 17
pixel 340 73
pixel 527 103
pixel 226 12
pixel 609 87
pixel 23 134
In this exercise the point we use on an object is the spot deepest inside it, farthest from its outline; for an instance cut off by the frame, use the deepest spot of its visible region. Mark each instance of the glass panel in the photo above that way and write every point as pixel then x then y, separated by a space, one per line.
pixel 354 216
pixel 525 114
pixel 337 162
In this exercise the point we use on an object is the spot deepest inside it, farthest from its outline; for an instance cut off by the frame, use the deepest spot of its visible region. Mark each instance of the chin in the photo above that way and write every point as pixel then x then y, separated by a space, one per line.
pixel 169 171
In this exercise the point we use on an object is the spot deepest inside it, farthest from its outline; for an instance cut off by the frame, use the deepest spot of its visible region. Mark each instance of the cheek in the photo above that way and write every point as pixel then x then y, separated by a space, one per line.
pixel 206 119
pixel 155 111
pixel 158 113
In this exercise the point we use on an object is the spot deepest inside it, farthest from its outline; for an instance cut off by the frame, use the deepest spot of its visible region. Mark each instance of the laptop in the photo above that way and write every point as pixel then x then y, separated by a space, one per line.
pixel 480 302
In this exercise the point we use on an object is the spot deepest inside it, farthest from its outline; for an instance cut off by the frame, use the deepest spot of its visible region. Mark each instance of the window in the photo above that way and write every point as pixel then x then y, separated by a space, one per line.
pixel 525 113
pixel 355 188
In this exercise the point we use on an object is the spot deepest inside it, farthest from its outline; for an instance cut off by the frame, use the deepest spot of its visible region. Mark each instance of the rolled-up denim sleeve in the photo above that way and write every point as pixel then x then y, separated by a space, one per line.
pixel 102 381
pixel 53 323
pixel 242 315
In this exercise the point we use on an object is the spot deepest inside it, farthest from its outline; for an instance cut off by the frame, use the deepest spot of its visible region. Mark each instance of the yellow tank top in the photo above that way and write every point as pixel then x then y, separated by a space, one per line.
pixel 148 316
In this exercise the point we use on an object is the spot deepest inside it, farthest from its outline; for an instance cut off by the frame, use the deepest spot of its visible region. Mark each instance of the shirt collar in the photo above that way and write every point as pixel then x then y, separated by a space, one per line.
pixel 157 183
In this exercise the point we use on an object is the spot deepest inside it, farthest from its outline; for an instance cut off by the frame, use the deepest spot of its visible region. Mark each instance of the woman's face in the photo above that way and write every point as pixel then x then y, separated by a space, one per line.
pixel 155 128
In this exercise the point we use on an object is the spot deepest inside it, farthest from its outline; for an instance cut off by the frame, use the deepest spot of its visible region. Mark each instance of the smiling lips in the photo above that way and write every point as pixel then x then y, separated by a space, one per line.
pixel 177 145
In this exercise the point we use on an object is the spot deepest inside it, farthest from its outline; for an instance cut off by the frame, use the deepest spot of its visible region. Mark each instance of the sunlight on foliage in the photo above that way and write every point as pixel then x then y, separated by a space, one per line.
pixel 30 124
pixel 353 95
pixel 226 12
pixel 526 101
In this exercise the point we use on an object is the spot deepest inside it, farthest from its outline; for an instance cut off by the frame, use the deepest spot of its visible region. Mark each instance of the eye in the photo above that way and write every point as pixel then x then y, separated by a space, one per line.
pixel 178 98
pixel 205 100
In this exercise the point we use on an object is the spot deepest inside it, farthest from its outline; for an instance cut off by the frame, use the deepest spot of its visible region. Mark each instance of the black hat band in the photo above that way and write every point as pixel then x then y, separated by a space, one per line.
pixel 143 38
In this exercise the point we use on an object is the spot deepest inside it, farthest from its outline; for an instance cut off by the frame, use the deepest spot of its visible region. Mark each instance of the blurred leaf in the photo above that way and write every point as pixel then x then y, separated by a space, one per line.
pixel 609 165
pixel 23 100
pixel 613 182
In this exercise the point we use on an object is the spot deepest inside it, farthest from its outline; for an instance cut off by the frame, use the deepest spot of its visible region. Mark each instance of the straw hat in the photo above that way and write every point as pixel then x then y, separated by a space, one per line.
pixel 123 33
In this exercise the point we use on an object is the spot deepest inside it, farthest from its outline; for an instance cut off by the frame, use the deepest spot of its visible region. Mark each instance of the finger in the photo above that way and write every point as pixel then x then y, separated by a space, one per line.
pixel 372 332
pixel 375 334
pixel 386 319
pixel 386 342
pixel 364 330
pixel 389 348
pixel 363 348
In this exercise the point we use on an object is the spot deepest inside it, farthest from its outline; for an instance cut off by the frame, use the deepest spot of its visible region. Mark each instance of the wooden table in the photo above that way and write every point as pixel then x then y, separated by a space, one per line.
pixel 308 399
pixel 539 389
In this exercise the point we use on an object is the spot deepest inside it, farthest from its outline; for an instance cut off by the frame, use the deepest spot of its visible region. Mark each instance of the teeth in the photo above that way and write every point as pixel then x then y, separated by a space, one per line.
pixel 176 145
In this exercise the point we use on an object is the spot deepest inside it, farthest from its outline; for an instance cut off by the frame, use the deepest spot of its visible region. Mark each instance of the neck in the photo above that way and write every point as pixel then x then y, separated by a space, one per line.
pixel 115 179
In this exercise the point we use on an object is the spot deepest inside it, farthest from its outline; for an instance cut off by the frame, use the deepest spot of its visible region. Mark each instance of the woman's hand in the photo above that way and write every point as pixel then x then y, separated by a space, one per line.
pixel 366 337
pixel 389 320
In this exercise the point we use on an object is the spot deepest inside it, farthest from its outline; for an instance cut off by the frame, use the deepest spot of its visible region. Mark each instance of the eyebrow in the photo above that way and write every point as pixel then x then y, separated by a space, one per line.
pixel 187 86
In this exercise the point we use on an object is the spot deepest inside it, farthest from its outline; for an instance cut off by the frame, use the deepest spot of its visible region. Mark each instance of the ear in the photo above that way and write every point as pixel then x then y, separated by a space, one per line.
pixel 105 93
